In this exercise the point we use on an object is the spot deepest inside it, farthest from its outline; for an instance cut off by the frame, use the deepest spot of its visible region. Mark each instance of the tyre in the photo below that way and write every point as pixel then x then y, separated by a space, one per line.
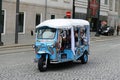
pixel 84 58
pixel 42 66
pixel 108 34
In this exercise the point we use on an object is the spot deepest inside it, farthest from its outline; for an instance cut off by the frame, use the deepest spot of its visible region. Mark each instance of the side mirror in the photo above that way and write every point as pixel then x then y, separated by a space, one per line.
pixel 33 46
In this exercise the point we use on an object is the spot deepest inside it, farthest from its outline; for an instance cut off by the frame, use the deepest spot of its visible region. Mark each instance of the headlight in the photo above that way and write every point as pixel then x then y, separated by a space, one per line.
pixel 51 49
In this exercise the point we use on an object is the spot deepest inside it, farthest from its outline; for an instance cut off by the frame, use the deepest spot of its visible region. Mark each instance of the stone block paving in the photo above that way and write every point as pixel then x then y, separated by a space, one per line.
pixel 20 66
pixel 102 65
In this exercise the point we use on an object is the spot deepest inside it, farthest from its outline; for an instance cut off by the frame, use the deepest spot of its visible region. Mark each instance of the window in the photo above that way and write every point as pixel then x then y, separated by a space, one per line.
pixel 52 16
pixel 116 5
pixel 38 19
pixel 21 22
pixel 83 35
pixel 106 1
pixel 76 36
pixel 111 5
pixel 2 21
pixel 80 16
pixel 46 33
pixel 66 38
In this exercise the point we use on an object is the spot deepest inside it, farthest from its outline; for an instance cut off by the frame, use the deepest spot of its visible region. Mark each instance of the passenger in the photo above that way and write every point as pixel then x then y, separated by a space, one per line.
pixel 63 36
pixel 60 41
pixel 69 40
pixel 83 37
pixel 76 38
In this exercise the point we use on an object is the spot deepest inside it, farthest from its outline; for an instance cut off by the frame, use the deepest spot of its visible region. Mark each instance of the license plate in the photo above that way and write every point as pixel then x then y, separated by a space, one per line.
pixel 40 52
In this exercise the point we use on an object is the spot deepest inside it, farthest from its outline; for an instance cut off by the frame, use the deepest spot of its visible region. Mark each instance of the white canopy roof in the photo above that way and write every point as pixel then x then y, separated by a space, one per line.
pixel 63 23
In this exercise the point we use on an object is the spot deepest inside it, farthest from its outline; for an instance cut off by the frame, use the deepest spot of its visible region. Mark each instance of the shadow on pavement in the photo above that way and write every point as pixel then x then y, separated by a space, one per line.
pixel 63 66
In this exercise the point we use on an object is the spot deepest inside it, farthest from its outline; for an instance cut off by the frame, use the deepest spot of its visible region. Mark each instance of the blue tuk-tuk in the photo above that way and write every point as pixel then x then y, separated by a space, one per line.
pixel 61 40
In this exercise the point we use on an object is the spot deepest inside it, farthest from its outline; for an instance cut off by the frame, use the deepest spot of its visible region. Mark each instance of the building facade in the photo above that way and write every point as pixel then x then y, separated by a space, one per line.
pixel 32 12
pixel 81 11
pixel 113 14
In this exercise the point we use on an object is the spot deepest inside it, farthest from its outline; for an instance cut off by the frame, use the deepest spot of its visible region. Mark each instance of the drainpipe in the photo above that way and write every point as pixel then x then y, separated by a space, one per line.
pixel 17 21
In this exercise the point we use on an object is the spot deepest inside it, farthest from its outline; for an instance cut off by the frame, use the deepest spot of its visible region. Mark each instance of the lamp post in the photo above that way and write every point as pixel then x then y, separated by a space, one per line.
pixel 17 21
pixel 98 21
pixel 119 12
pixel 45 9
pixel 1 43
pixel 73 9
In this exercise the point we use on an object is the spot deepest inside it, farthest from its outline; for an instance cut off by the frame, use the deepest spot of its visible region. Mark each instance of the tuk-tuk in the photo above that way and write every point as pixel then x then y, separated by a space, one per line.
pixel 61 40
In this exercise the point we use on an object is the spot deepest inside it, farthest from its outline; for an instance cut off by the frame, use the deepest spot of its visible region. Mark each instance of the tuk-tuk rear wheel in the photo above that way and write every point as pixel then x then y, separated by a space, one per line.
pixel 84 58
pixel 41 64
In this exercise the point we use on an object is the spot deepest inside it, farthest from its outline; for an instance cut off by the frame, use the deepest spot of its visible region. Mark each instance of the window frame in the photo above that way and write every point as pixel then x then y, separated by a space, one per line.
pixel 23 22
pixel 4 27
pixel 40 18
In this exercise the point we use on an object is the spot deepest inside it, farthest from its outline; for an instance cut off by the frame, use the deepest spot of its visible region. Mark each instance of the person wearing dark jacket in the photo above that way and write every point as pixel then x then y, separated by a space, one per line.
pixel 118 29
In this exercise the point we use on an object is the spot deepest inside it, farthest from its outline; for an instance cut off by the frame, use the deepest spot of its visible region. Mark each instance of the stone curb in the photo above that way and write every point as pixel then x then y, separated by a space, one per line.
pixel 15 45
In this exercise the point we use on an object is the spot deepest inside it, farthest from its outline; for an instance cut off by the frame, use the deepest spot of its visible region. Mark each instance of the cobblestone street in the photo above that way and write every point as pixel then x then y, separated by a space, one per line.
pixel 36 35
pixel 103 64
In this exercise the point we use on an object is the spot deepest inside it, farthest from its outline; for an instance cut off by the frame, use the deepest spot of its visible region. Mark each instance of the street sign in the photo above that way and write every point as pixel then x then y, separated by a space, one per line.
pixel 68 14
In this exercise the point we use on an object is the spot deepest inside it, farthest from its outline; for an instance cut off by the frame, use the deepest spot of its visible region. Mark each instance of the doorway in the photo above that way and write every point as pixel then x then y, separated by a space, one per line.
pixel 94 24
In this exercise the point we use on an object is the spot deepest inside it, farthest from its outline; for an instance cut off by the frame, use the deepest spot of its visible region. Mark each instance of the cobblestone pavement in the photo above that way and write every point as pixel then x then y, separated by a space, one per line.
pixel 103 64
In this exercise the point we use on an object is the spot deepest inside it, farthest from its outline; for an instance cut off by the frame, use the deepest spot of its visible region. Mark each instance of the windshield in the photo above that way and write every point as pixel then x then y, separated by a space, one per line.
pixel 46 33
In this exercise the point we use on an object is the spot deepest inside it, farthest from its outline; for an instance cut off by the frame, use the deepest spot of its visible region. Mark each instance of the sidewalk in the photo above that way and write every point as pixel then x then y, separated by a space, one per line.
pixel 23 40
pixel 29 41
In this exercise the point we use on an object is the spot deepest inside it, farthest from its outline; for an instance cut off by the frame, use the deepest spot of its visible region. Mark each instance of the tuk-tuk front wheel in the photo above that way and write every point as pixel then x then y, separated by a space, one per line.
pixel 84 58
pixel 42 65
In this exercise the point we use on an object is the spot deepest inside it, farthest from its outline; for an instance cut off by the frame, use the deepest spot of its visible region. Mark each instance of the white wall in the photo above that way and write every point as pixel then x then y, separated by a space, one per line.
pixel 52 3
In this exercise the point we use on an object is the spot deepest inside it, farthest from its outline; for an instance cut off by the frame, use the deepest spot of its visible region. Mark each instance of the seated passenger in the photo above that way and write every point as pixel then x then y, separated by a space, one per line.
pixel 76 39
pixel 83 37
